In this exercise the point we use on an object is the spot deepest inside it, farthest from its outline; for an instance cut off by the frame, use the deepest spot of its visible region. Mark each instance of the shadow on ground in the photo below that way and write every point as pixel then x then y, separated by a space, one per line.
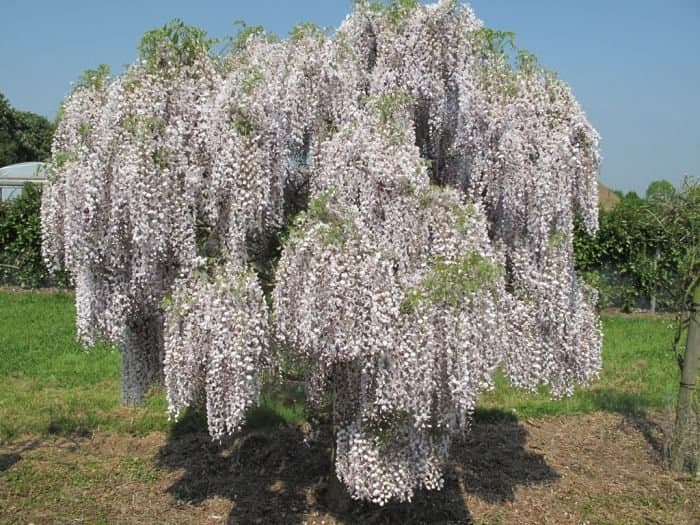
pixel 631 407
pixel 7 460
pixel 275 476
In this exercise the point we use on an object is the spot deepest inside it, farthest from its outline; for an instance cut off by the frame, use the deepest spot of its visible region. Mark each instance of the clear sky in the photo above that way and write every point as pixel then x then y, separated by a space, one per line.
pixel 633 64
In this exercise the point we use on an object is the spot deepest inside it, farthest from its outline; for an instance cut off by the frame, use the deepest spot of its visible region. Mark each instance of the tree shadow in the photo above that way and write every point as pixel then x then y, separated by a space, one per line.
pixel 492 460
pixel 69 427
pixel 632 408
pixel 277 475
pixel 7 460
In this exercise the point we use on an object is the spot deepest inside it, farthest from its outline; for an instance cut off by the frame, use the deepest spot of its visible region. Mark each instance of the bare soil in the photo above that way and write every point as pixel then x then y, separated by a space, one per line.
pixel 587 469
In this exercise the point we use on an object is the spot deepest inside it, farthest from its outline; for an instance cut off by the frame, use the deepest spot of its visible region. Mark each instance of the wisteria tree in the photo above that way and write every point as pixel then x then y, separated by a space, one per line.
pixel 410 187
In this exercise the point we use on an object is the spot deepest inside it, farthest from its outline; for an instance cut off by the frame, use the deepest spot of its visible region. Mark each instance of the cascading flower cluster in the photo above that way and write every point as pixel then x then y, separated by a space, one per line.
pixel 431 186
pixel 390 289
pixel 216 343
pixel 126 176
pixel 533 167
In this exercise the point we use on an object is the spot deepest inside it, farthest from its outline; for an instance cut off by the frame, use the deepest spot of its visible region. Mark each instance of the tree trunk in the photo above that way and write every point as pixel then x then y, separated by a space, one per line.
pixel 652 299
pixel 337 497
pixel 696 406
pixel 687 401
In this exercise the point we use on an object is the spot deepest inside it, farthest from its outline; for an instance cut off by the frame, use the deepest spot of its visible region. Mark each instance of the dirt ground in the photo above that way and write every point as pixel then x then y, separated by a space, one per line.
pixel 588 469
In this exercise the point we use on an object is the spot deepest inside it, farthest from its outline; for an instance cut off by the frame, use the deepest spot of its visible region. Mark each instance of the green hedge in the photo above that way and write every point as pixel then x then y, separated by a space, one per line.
pixel 21 263
pixel 645 248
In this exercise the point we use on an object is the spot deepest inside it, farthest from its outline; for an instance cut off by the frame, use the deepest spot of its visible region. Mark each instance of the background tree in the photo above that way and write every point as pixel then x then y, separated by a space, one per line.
pixel 660 190
pixel 634 259
pixel 412 186
pixel 680 216
pixel 647 247
pixel 24 136
pixel 659 268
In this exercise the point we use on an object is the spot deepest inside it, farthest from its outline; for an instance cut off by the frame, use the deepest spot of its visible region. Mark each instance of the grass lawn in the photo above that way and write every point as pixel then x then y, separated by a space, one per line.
pixel 70 453
pixel 50 385
pixel 640 374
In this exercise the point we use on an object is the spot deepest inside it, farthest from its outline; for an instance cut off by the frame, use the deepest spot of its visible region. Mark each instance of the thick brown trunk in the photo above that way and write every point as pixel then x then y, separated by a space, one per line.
pixel 687 401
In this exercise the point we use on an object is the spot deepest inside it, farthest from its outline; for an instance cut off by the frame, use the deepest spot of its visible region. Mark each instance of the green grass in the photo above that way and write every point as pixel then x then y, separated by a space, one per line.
pixel 639 375
pixel 50 385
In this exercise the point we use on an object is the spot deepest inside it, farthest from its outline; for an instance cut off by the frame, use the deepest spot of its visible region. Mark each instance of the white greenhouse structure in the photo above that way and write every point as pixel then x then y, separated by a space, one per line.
pixel 14 177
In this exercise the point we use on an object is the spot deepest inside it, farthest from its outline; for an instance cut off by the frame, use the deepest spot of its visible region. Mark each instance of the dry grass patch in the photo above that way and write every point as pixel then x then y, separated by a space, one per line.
pixel 594 468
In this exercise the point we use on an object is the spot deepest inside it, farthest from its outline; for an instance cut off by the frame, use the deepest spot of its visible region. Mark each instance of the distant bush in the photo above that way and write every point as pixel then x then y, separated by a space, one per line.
pixel 643 254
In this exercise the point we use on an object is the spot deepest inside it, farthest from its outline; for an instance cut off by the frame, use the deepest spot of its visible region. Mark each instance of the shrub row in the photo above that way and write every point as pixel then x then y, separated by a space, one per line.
pixel 21 263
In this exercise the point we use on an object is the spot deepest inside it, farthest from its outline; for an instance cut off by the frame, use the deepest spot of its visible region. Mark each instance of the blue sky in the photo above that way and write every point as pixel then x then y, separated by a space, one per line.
pixel 633 64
